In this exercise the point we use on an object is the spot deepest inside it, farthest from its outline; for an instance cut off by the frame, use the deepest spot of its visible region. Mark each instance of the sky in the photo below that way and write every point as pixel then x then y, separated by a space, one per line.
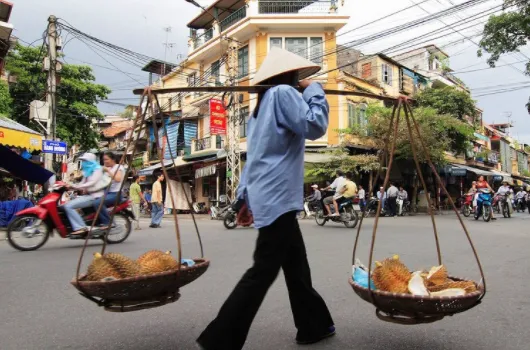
pixel 138 25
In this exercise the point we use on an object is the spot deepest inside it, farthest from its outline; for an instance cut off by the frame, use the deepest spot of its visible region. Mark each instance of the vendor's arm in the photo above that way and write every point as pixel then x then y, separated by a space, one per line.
pixel 306 116
pixel 118 175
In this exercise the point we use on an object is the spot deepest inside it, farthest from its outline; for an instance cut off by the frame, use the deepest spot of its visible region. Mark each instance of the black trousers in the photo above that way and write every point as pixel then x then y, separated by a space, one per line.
pixel 279 245
pixel 392 205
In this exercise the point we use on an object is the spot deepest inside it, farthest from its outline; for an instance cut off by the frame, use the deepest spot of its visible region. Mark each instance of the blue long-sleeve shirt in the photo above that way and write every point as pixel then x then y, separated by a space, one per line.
pixel 273 177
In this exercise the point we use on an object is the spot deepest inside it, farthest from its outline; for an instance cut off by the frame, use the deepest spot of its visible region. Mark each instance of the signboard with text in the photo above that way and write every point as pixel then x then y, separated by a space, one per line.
pixel 217 118
pixel 55 147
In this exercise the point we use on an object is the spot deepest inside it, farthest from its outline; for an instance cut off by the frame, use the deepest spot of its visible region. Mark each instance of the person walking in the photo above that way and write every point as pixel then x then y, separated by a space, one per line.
pixel 272 181
pixel 392 194
pixel 157 205
pixel 136 198
pixel 362 198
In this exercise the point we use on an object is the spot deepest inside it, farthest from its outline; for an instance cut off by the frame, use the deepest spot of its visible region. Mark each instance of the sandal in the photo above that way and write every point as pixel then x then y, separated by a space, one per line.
pixel 79 232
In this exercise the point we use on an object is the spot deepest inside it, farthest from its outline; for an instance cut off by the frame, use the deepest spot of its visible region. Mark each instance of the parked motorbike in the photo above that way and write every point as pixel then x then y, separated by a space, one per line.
pixel 33 226
pixel 484 202
pixel 347 210
pixel 371 208
pixel 467 207
pixel 403 207
pixel 238 215
pixel 199 208
pixel 219 208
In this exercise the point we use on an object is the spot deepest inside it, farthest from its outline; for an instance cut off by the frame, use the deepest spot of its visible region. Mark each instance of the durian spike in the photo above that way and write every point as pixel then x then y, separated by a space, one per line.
pixel 378 264
pixel 97 255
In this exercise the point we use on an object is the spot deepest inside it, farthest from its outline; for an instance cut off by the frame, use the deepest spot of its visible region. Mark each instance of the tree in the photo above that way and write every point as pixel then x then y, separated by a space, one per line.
pixel 448 100
pixel 77 95
pixel 5 99
pixel 440 133
pixel 507 32
pixel 341 159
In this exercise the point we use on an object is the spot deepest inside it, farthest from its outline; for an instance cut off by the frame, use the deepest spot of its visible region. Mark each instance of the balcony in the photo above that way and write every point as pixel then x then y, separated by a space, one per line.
pixel 210 143
pixel 233 15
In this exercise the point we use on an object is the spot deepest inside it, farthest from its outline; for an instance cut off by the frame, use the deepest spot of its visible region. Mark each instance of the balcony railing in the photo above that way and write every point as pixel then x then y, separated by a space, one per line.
pixel 211 143
pixel 233 18
pixel 203 38
pixel 288 7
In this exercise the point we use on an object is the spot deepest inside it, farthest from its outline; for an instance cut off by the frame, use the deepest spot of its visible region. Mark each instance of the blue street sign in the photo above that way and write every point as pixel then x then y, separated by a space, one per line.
pixel 55 147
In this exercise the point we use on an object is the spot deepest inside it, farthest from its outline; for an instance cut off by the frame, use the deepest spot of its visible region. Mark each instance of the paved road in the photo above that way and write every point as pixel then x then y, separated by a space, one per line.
pixel 40 310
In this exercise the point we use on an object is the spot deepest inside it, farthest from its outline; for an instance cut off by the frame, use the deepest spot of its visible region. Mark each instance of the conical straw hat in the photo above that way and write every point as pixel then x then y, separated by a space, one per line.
pixel 280 61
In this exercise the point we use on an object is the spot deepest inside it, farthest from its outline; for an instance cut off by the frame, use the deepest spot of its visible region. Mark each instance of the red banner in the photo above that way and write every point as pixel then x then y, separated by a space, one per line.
pixel 217 118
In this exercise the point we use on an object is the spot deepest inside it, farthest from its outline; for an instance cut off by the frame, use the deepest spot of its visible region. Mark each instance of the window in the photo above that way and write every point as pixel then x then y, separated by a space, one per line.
pixel 387 74
pixel 192 79
pixel 366 70
pixel 357 115
pixel 316 49
pixel 297 46
pixel 215 71
pixel 170 103
pixel 276 42
pixel 242 62
pixel 243 121
pixel 352 120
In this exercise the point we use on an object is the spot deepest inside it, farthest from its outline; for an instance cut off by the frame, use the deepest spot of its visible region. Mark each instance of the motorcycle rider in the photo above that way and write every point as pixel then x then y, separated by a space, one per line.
pixel 117 174
pixel 314 199
pixel 403 196
pixel 505 190
pixel 483 184
pixel 92 174
pixel 521 196
pixel 349 190
pixel 337 185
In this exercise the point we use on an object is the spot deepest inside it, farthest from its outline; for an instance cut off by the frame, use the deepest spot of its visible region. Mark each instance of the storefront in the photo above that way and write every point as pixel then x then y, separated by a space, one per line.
pixel 210 181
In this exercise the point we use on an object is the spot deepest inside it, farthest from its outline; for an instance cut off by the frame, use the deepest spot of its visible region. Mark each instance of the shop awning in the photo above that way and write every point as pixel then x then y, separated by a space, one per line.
pixel 150 170
pixel 316 158
pixel 13 134
pixel 477 171
pixel 502 176
pixel 23 168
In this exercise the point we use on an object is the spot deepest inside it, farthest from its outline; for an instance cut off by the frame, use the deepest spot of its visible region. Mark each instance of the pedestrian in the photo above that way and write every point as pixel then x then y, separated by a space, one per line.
pixel 391 195
pixel 381 196
pixel 272 181
pixel 136 198
pixel 157 206
pixel 362 198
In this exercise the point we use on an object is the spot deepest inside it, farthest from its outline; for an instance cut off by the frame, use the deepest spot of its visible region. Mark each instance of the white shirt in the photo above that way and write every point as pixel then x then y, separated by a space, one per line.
pixel 362 194
pixel 392 192
pixel 338 184
pixel 503 190
pixel 520 194
pixel 116 185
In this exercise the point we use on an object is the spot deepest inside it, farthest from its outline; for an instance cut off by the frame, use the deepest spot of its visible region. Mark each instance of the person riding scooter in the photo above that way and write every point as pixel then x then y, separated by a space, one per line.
pixel 92 185
pixel 337 185
pixel 314 199
pixel 348 191
pixel 520 199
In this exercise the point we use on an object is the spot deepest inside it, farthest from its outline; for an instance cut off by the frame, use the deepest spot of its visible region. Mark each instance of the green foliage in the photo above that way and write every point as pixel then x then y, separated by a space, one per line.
pixel 525 173
pixel 440 133
pixel 77 95
pixel 448 100
pixel 5 99
pixel 507 32
pixel 340 159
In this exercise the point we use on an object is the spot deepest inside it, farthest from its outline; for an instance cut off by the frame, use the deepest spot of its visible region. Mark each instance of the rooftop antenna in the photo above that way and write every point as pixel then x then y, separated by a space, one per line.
pixel 167 45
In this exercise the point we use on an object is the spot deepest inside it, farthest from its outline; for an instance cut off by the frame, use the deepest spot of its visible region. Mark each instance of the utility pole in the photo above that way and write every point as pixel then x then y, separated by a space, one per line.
pixel 233 158
pixel 167 45
pixel 51 86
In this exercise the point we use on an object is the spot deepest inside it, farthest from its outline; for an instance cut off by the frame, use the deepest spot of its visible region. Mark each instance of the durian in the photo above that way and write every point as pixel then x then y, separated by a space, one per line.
pixel 391 275
pixel 468 286
pixel 149 255
pixel 416 285
pixel 111 265
pixel 158 263
pixel 437 276
pixel 453 292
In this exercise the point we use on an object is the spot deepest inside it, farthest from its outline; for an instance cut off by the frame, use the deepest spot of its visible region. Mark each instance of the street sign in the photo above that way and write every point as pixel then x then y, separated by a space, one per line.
pixel 217 117
pixel 458 171
pixel 55 147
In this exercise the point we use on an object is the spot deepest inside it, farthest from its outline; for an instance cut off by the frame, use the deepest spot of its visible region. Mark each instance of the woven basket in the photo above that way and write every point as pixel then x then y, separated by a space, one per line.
pixel 412 309
pixel 134 293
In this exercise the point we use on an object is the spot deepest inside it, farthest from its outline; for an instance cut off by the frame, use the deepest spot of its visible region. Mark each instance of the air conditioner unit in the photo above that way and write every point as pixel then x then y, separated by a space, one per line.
pixel 39 110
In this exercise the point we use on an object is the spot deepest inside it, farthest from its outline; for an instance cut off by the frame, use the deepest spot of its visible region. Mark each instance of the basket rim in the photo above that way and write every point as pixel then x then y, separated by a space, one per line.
pixel 199 262
pixel 472 295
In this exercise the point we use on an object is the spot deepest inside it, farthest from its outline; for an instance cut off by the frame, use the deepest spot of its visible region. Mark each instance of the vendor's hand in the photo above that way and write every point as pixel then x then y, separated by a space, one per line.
pixel 305 83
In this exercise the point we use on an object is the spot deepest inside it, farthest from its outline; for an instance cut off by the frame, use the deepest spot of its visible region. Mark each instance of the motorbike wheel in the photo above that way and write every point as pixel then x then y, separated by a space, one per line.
pixel 505 210
pixel 319 218
pixel 230 221
pixel 486 213
pixel 354 218
pixel 301 215
pixel 120 230
pixel 16 237
pixel 466 211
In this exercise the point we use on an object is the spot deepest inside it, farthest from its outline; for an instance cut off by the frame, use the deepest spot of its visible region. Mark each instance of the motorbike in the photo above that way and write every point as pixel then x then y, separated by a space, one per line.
pixel 484 202
pixel 33 226
pixel 372 205
pixel 238 215
pixel 505 205
pixel 219 208
pixel 403 207
pixel 200 208
pixel 467 207
pixel 347 210
pixel 309 210
pixel 520 205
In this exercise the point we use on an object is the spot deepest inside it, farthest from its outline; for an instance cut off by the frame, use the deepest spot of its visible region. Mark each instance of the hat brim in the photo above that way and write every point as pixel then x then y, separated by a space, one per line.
pixel 303 73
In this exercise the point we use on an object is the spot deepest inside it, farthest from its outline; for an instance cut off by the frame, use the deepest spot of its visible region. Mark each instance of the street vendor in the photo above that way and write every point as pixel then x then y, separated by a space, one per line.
pixel 273 180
